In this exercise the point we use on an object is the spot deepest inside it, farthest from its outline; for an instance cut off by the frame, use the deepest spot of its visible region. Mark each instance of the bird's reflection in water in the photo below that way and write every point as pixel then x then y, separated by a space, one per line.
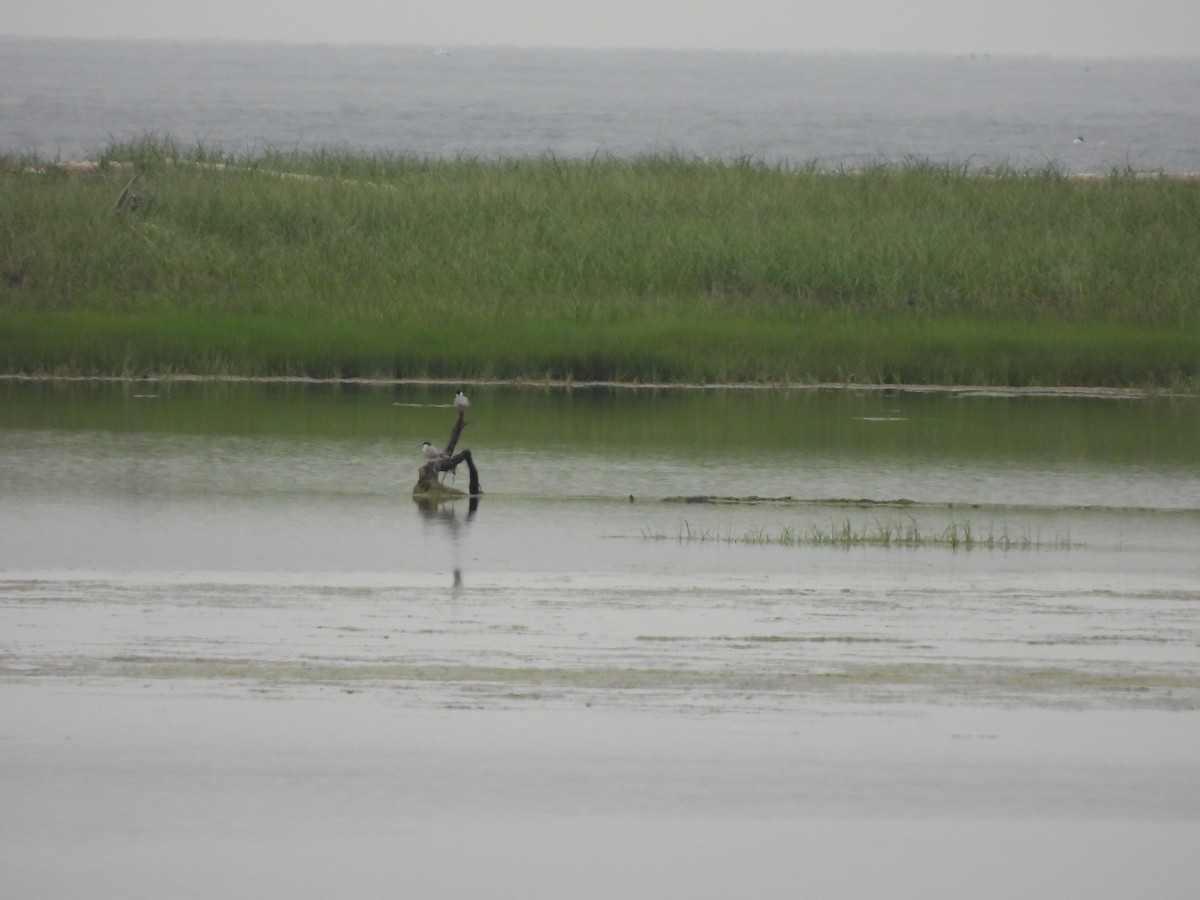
pixel 443 516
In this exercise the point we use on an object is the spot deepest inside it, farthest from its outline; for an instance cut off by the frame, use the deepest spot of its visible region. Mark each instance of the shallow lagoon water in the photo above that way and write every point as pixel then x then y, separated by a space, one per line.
pixel 238 657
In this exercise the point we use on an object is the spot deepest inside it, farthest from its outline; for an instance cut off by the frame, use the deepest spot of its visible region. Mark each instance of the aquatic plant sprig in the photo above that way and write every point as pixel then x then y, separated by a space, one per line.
pixel 956 535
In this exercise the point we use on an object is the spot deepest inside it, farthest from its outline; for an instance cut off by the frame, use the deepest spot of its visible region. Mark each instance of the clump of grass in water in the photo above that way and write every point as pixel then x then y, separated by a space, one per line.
pixel 955 536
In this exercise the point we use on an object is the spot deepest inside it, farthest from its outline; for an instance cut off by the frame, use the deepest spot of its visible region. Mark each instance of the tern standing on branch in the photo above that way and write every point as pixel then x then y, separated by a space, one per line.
pixel 432 452
pixel 461 401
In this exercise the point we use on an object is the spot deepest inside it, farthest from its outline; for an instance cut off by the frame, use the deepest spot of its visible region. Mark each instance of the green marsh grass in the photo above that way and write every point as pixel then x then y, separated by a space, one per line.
pixel 957 535
pixel 655 269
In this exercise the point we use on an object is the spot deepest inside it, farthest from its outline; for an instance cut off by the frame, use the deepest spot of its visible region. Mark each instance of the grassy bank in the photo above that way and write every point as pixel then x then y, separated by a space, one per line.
pixel 655 269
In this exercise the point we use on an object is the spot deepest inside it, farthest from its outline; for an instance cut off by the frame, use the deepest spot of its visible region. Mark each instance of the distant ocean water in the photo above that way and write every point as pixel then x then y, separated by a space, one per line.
pixel 69 99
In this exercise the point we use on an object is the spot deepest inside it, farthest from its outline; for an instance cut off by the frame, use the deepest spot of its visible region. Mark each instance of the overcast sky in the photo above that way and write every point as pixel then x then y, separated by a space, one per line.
pixel 1054 27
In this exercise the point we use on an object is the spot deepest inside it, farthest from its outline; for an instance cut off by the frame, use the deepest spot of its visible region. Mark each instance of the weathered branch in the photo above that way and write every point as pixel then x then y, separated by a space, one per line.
pixel 123 197
pixel 459 425
pixel 427 475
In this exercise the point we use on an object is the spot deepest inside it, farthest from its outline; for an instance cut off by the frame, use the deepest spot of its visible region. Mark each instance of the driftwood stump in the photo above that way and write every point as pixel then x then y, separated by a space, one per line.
pixel 428 485
pixel 126 200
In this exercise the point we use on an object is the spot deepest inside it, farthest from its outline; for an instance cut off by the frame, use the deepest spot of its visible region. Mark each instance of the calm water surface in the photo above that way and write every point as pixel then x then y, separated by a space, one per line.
pixel 70 99
pixel 602 500
pixel 229 634
pixel 178 476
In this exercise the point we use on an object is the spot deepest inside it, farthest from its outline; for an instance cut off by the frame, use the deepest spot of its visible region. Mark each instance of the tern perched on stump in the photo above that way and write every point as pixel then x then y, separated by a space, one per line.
pixel 432 452
pixel 438 462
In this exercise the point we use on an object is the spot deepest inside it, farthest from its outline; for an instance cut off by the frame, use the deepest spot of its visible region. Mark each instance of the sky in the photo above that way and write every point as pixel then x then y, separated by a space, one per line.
pixel 1042 27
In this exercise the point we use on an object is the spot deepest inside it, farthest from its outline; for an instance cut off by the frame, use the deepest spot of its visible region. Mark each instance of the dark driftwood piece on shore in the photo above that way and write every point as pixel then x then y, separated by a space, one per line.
pixel 427 476
pixel 126 200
